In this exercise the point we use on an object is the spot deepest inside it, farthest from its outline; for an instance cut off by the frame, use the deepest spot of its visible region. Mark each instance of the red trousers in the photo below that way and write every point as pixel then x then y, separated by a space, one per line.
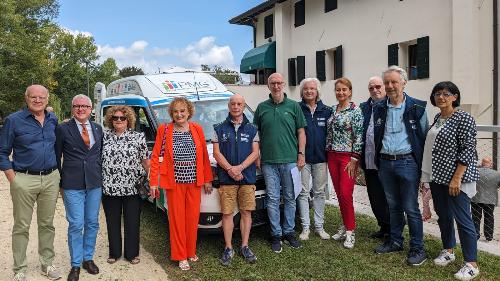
pixel 183 215
pixel 343 185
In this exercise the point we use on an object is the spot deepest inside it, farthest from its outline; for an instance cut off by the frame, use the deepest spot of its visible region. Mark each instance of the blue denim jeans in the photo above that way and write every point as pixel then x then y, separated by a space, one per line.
pixel 82 212
pixel 400 179
pixel 279 178
pixel 458 208
pixel 319 174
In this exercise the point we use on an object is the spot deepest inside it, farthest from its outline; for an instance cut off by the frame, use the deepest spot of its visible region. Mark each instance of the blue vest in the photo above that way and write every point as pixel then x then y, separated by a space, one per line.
pixel 366 109
pixel 316 132
pixel 236 147
pixel 414 110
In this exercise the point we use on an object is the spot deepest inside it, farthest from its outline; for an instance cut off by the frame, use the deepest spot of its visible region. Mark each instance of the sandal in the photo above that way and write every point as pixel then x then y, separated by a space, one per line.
pixel 111 260
pixel 194 259
pixel 135 260
pixel 184 265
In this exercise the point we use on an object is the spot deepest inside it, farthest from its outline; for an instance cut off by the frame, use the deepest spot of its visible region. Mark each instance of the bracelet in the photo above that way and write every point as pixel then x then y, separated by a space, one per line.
pixel 354 158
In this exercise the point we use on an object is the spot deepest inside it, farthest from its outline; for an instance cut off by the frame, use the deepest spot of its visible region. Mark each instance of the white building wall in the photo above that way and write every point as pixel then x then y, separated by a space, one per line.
pixel 460 40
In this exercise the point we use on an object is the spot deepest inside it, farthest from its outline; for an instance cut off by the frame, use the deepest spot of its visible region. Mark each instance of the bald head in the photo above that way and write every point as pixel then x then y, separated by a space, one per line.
pixel 37 98
pixel 236 106
pixel 376 88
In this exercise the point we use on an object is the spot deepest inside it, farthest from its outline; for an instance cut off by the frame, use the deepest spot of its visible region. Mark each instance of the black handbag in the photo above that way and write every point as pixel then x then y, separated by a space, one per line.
pixel 142 185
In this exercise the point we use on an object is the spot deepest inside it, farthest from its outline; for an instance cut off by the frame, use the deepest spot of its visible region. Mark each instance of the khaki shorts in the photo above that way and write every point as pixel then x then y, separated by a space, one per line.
pixel 229 193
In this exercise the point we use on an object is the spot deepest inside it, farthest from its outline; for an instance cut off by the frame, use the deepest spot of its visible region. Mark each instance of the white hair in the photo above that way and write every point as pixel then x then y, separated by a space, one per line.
pixel 81 96
pixel 307 80
pixel 395 68
pixel 26 93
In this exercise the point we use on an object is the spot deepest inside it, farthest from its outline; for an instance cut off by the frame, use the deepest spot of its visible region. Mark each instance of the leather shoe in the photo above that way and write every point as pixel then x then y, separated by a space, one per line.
pixel 90 267
pixel 74 274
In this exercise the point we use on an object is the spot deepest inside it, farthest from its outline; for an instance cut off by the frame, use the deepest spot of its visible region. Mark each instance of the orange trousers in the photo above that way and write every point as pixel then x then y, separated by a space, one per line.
pixel 183 214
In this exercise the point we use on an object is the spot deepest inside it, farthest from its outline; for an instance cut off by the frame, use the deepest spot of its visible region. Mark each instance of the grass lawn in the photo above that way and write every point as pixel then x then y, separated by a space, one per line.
pixel 316 260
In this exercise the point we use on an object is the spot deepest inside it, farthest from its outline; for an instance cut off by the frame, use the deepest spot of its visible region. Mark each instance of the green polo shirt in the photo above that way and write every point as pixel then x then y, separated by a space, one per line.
pixel 278 125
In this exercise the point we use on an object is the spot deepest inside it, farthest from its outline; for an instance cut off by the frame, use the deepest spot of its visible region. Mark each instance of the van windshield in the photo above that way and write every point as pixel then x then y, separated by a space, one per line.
pixel 207 113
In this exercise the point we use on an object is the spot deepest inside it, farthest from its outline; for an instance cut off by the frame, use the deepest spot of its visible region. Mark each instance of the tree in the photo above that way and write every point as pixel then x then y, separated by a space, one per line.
pixel 106 72
pixel 131 71
pixel 224 75
pixel 26 29
pixel 74 59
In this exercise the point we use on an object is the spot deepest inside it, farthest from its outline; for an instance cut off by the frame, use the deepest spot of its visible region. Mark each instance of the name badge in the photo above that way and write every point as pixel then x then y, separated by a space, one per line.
pixel 160 159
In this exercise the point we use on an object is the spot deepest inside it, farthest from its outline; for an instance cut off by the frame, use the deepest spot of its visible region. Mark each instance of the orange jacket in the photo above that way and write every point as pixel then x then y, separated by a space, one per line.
pixel 162 174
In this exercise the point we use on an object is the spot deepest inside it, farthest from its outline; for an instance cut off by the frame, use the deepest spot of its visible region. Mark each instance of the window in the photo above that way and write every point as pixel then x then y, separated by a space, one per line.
pixel 268 27
pixel 300 13
pixel 292 73
pixel 330 5
pixel 261 75
pixel 320 65
pixel 334 63
pixel 414 57
pixel 301 68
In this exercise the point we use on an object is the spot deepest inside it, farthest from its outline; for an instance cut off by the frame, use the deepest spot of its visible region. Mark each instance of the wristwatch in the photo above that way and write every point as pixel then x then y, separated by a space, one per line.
pixel 301 153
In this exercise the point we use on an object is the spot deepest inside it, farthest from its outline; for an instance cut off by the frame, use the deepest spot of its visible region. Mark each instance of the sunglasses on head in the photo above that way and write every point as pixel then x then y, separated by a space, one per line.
pixel 116 118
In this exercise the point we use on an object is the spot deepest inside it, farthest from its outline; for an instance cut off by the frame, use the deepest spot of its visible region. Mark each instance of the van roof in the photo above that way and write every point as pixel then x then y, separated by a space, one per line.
pixel 177 82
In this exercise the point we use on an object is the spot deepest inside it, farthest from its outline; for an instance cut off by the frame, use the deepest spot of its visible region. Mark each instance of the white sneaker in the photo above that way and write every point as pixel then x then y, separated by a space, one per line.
pixel 304 235
pixel 444 258
pixel 322 234
pixel 349 240
pixel 19 276
pixel 467 272
pixel 340 233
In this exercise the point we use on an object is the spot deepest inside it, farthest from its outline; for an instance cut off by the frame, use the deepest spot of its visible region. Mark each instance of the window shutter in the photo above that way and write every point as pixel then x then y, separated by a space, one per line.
pixel 320 65
pixel 330 5
pixel 301 68
pixel 392 54
pixel 292 73
pixel 338 62
pixel 423 57
pixel 268 27
pixel 300 13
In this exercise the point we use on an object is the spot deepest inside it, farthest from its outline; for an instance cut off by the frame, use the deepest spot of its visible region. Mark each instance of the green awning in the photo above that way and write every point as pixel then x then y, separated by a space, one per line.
pixel 258 58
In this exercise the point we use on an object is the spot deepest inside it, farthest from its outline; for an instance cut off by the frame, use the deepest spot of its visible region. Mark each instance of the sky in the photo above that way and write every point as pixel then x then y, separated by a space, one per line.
pixel 159 34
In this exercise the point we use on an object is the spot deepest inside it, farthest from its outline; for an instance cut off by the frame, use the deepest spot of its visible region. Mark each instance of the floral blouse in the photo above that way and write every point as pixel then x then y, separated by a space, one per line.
pixel 344 131
pixel 121 162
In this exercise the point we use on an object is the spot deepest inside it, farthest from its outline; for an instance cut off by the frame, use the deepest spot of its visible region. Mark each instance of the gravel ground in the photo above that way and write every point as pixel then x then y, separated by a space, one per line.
pixel 147 269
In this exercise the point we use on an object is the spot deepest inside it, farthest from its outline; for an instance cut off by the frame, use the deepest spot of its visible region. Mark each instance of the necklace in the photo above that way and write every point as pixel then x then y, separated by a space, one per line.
pixel 180 128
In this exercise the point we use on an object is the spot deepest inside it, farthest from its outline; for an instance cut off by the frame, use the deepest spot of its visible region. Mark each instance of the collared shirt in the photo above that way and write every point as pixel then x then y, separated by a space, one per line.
pixel 396 140
pixel 370 145
pixel 32 144
pixel 89 129
pixel 278 125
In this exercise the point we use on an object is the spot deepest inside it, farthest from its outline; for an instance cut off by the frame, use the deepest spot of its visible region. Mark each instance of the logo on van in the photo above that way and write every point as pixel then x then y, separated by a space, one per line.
pixel 171 85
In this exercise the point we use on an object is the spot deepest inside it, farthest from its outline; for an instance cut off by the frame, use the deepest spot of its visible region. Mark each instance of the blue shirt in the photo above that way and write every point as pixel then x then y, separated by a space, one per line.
pixel 32 145
pixel 396 140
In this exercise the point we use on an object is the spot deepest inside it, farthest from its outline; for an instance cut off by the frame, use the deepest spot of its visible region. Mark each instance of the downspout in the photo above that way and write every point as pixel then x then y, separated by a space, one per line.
pixel 254 27
pixel 495 81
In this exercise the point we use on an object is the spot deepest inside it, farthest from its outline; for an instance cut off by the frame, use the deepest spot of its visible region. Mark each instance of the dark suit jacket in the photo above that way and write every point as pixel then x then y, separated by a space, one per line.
pixel 81 167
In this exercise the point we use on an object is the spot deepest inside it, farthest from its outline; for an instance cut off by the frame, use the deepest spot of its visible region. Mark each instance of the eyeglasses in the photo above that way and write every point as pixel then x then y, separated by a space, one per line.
pixel 443 94
pixel 276 83
pixel 37 98
pixel 378 87
pixel 81 106
pixel 116 118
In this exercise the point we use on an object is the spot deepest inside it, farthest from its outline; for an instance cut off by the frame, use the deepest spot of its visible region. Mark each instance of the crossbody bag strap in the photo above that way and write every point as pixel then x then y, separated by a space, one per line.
pixel 164 140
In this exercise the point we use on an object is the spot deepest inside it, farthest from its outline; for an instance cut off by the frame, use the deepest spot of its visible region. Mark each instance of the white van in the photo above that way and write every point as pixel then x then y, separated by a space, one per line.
pixel 150 95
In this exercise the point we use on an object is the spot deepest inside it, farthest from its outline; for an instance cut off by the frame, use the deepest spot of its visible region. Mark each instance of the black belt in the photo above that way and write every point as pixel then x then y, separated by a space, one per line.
pixel 395 157
pixel 37 173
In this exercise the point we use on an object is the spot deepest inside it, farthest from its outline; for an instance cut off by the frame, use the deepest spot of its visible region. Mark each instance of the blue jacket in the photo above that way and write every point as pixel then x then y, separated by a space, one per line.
pixel 81 168
pixel 414 111
pixel 236 147
pixel 316 132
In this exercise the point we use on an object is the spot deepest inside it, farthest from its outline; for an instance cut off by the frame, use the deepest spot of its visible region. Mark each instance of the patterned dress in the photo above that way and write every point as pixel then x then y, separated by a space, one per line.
pixel 121 162
pixel 184 157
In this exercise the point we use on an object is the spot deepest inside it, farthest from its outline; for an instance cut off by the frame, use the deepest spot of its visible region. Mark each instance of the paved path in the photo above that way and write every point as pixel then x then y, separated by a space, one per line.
pixel 147 269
